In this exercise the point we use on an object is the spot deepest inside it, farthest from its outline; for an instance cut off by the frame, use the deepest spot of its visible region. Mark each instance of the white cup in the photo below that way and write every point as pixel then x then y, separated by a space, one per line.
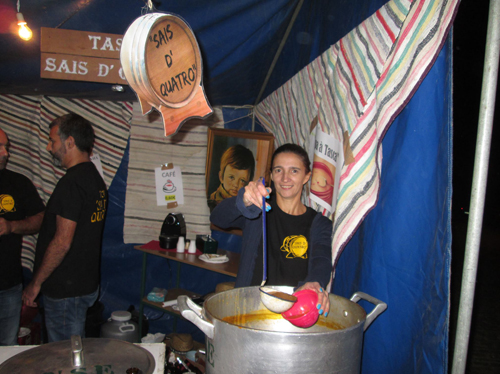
pixel 192 247
pixel 180 245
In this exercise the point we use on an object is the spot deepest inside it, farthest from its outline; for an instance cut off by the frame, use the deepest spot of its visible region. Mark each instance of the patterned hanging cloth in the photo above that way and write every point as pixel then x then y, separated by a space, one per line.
pixel 353 91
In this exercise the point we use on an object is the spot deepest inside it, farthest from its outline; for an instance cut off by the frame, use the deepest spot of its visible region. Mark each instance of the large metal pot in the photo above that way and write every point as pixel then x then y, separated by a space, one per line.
pixel 242 336
pixel 90 356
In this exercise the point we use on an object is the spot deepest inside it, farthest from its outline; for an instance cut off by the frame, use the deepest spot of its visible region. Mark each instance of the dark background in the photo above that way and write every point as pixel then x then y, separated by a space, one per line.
pixel 469 33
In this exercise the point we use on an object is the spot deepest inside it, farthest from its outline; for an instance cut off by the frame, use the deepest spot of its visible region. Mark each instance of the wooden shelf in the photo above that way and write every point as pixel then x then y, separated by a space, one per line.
pixel 172 294
pixel 228 268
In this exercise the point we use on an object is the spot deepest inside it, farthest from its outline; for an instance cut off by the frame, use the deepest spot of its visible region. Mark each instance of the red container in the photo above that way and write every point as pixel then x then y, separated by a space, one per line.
pixel 28 313
pixel 304 312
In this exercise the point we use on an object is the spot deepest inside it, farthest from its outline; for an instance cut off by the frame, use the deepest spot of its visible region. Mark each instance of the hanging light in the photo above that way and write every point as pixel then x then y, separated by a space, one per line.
pixel 25 32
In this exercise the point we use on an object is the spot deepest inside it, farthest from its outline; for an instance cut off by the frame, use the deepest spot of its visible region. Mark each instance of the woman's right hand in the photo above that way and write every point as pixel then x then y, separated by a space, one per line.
pixel 323 297
pixel 254 191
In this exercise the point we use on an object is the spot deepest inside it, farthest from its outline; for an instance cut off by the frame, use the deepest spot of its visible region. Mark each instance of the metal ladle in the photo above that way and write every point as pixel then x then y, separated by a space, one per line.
pixel 275 301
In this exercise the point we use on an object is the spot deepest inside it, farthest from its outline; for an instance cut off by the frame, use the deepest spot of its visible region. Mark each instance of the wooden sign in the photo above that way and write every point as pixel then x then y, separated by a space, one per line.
pixel 81 56
pixel 162 63
pixel 173 61
pixel 82 68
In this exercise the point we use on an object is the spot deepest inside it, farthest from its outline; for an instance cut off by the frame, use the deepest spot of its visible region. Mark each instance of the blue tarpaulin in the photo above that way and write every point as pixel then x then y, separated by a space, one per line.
pixel 401 253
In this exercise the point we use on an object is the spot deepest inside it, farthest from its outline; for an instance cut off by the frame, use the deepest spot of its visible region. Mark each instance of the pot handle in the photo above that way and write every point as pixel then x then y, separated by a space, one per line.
pixel 192 312
pixel 77 350
pixel 380 306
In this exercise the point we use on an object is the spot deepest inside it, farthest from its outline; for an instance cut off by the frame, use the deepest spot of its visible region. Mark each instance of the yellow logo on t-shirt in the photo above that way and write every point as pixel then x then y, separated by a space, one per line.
pixel 7 204
pixel 295 246
pixel 100 212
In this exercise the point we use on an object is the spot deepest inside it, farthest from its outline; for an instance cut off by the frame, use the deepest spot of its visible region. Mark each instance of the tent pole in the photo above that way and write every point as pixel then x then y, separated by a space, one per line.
pixel 276 56
pixel 483 144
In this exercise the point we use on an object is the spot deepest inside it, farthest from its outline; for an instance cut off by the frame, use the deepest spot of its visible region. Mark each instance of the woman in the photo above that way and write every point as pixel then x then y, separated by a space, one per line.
pixel 298 238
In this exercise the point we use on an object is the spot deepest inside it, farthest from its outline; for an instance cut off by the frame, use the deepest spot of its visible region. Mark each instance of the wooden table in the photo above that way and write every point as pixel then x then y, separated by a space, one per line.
pixel 228 268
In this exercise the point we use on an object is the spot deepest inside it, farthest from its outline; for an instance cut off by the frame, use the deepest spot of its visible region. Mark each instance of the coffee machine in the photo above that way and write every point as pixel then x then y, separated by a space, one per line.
pixel 173 227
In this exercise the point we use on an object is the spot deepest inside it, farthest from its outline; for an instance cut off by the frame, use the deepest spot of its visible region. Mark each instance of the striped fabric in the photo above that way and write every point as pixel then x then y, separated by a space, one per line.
pixel 149 149
pixel 360 85
pixel 26 121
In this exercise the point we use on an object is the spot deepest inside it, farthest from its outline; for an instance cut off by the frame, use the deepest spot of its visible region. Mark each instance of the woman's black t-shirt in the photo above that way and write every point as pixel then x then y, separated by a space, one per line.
pixel 288 249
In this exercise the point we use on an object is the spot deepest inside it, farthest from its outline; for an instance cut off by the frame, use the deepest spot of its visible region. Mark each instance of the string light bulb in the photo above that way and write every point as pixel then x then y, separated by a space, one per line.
pixel 25 32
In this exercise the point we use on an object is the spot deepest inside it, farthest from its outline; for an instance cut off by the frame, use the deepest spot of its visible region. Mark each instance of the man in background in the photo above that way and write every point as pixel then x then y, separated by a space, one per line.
pixel 21 213
pixel 67 260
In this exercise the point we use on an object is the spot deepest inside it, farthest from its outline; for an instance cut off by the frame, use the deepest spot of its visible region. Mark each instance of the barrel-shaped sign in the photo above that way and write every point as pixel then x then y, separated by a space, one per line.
pixel 162 63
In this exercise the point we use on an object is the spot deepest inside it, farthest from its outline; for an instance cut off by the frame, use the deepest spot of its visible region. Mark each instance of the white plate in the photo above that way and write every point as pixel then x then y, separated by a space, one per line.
pixel 214 259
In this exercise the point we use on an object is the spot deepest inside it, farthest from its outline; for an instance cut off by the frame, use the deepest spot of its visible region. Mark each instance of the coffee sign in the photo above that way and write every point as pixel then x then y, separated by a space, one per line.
pixel 81 56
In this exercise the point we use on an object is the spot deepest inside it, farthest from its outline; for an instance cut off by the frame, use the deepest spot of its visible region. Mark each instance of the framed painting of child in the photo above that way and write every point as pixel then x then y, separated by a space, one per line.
pixel 234 158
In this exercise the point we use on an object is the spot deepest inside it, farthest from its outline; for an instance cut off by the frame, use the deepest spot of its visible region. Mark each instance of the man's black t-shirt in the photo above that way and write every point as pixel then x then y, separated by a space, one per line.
pixel 80 196
pixel 19 199
pixel 287 248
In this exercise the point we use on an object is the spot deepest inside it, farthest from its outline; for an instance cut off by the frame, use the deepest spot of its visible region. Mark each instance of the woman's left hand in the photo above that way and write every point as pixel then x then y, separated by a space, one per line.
pixel 323 299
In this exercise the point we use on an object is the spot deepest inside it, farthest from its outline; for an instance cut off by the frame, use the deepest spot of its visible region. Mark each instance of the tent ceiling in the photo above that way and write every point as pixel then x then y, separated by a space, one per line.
pixel 238 40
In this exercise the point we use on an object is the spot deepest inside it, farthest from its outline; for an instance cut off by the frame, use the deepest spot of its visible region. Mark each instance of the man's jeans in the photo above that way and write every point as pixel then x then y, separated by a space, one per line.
pixel 66 317
pixel 10 314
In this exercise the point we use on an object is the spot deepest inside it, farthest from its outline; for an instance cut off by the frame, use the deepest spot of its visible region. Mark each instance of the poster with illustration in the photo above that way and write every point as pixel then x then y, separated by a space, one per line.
pixel 169 187
pixel 328 161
